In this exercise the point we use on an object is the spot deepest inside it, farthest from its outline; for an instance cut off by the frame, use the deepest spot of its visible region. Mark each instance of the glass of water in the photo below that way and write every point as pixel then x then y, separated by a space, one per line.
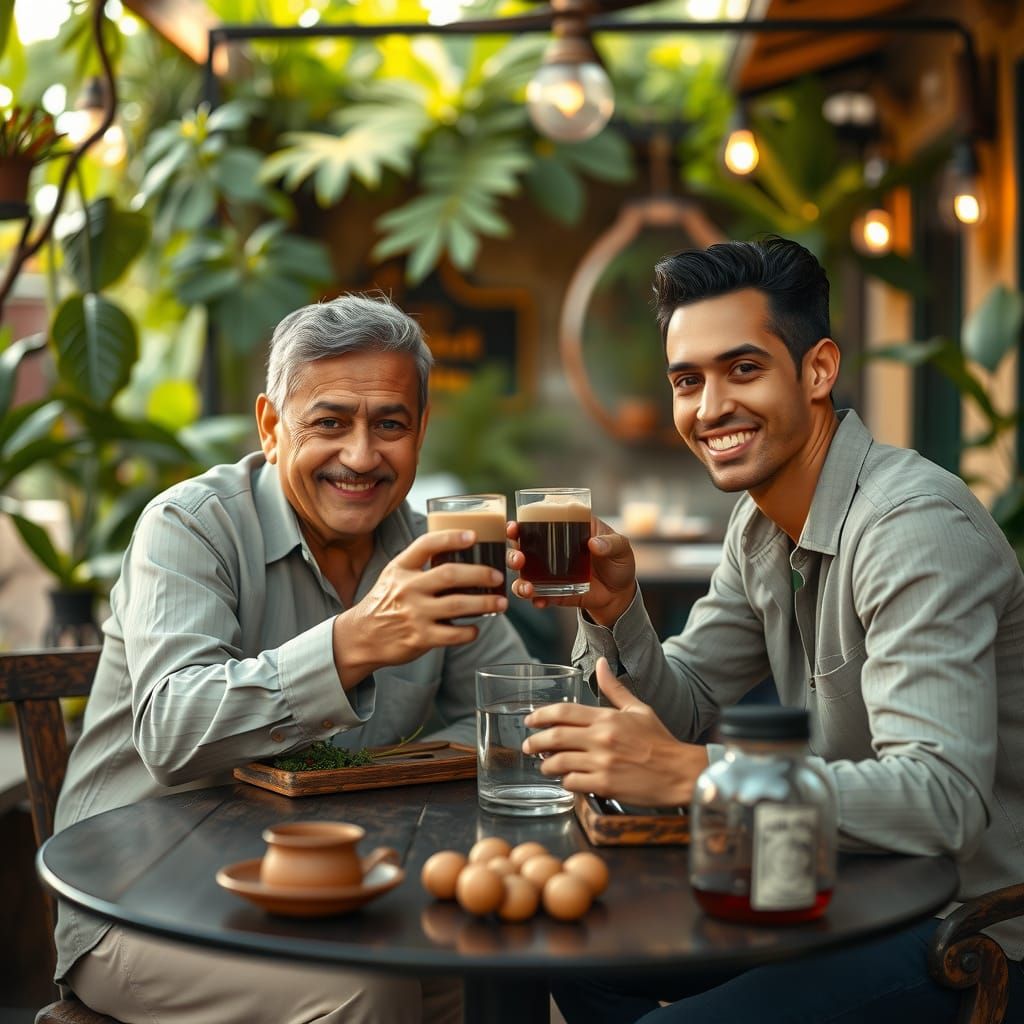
pixel 509 781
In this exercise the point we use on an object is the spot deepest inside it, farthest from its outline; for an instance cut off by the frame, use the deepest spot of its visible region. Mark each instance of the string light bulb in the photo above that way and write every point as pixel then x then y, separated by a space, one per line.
pixel 961 195
pixel 872 233
pixel 570 98
pixel 741 154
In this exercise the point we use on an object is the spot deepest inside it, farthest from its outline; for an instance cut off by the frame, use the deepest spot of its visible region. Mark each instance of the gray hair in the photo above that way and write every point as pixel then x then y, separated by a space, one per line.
pixel 349 323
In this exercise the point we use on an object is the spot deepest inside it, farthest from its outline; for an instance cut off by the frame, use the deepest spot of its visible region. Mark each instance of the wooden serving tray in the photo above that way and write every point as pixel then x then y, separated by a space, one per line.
pixel 630 829
pixel 436 761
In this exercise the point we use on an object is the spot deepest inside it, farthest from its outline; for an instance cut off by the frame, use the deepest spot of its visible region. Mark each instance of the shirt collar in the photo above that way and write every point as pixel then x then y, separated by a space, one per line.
pixel 280 525
pixel 833 495
pixel 840 477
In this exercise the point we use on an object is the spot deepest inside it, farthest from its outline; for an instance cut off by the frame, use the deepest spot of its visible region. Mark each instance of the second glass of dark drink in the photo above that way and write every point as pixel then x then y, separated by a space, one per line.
pixel 485 515
pixel 554 527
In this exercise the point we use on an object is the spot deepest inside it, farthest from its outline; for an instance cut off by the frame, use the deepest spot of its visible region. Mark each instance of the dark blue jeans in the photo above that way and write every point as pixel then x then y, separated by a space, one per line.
pixel 881 982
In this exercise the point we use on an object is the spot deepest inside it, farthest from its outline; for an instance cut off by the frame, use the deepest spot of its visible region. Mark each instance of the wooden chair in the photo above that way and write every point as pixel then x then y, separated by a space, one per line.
pixel 33 682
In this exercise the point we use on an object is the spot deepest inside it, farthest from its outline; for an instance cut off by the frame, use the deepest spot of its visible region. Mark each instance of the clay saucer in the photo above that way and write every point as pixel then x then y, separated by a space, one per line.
pixel 379 876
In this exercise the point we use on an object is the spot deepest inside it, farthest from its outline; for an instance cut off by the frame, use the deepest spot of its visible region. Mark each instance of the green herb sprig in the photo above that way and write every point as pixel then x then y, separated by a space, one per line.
pixel 323 755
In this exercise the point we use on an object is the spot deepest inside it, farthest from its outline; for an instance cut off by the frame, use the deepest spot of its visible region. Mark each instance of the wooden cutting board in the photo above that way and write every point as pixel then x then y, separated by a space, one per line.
pixel 436 761
pixel 630 829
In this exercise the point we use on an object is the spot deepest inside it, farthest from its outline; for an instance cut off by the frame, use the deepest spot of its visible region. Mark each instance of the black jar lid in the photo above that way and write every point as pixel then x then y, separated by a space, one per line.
pixel 760 722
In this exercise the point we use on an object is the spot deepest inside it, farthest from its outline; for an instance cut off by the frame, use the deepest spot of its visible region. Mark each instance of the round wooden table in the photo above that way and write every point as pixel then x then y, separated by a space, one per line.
pixel 152 866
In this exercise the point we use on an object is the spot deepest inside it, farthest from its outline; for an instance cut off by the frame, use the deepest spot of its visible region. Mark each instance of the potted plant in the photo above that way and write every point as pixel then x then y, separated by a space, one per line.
pixel 75 444
pixel 28 136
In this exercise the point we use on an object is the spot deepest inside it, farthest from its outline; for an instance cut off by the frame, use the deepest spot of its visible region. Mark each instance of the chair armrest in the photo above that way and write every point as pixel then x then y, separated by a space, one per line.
pixel 961 957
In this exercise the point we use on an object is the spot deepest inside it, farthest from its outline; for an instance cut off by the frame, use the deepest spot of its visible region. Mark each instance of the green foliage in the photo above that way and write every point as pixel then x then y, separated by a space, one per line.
pixel 378 133
pixel 193 169
pixel 988 336
pixel 804 188
pixel 28 133
pixel 101 251
pixel 486 447
pixel 249 285
pixel 449 117
pixel 6 21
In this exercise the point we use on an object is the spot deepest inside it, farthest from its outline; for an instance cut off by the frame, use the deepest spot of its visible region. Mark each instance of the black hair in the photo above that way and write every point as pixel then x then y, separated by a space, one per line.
pixel 789 275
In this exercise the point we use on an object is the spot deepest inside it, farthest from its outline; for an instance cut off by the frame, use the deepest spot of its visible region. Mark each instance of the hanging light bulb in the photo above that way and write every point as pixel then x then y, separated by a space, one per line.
pixel 872 233
pixel 961 195
pixel 90 109
pixel 570 98
pixel 741 154
pixel 90 106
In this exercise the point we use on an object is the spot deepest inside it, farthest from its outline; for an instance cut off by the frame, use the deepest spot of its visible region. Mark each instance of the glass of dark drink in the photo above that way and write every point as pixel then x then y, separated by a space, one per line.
pixel 554 527
pixel 485 515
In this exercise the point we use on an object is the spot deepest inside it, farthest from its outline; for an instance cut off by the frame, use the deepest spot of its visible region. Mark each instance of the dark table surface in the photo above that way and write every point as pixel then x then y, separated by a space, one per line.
pixel 152 865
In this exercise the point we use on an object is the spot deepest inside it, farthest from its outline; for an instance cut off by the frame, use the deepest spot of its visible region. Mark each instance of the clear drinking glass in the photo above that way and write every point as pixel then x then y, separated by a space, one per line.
pixel 509 781
pixel 554 527
pixel 486 515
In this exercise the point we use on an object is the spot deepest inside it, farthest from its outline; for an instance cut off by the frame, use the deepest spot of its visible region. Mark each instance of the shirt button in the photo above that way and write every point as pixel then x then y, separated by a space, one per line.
pixel 277 736
pixel 327 724
pixel 811 684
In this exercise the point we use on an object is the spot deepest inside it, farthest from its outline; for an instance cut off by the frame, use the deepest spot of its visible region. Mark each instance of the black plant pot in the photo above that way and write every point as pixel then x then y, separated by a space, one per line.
pixel 72 620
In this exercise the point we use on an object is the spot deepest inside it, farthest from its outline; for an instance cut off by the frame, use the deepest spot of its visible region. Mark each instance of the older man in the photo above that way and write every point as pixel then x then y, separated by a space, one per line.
pixel 265 605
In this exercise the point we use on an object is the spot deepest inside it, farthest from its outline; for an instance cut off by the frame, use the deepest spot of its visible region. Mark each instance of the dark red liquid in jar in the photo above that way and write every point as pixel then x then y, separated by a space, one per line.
pixel 733 907
pixel 556 552
pixel 490 553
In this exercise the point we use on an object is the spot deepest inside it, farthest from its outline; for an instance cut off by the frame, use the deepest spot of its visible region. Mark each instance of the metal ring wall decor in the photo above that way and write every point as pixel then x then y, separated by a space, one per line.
pixel 653 212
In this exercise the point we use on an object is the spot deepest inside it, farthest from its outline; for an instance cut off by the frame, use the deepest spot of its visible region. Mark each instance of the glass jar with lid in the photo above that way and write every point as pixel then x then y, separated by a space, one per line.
pixel 763 822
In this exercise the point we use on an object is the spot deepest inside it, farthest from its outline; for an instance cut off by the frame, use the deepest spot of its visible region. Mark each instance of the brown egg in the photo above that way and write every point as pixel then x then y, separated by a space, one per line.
pixel 484 849
pixel 520 900
pixel 589 868
pixel 440 872
pixel 524 851
pixel 566 897
pixel 479 889
pixel 502 866
pixel 539 868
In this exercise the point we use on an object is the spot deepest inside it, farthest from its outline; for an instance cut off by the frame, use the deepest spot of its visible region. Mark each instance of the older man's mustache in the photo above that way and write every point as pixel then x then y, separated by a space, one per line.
pixel 354 479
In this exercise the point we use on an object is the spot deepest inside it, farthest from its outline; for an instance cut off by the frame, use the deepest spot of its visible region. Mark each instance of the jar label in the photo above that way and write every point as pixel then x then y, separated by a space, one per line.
pixel 783 875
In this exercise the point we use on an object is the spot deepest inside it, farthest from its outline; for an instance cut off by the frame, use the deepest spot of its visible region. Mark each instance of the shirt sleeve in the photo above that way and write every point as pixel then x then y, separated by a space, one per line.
pixel 200 704
pixel 718 657
pixel 928 588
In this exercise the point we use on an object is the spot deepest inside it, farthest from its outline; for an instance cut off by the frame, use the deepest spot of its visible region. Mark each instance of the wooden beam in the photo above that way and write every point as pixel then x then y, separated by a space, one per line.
pixel 185 24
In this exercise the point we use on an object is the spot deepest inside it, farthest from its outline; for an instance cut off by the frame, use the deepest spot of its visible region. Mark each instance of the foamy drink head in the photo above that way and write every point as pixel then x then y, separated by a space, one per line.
pixel 551 510
pixel 488 526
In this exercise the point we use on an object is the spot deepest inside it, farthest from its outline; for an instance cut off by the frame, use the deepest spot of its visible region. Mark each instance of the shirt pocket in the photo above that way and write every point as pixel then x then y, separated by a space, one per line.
pixel 842 717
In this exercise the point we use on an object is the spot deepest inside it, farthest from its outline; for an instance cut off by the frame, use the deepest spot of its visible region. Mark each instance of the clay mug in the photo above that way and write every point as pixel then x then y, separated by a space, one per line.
pixel 314 855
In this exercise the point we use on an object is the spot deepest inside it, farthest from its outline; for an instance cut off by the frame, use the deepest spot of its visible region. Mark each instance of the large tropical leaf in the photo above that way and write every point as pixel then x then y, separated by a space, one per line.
pixel 96 346
pixel 556 189
pixel 37 540
pixel 36 423
pixel 105 246
pixel 462 179
pixel 993 329
pixel 10 360
pixel 947 358
pixel 249 286
pixel 381 133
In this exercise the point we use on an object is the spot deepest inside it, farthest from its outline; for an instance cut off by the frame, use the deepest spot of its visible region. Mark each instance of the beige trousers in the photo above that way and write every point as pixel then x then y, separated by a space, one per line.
pixel 142 979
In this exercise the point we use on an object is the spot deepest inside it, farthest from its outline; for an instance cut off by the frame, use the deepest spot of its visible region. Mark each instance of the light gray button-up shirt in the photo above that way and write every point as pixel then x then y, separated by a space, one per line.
pixel 219 651
pixel 898 622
